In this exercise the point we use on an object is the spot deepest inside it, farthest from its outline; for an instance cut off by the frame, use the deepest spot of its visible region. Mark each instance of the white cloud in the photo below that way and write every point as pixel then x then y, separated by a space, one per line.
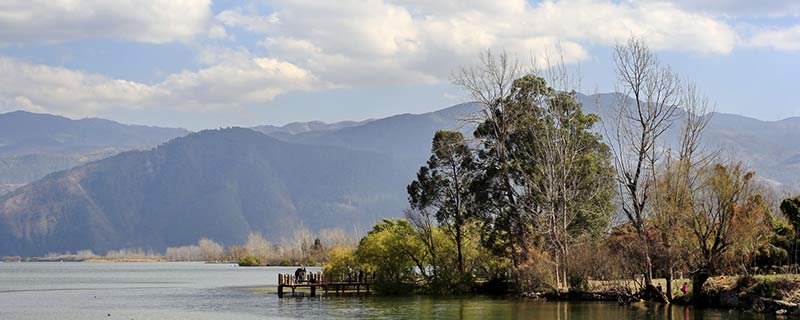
pixel 236 83
pixel 782 39
pixel 355 42
pixel 39 88
pixel 310 45
pixel 233 83
pixel 153 21
pixel 742 8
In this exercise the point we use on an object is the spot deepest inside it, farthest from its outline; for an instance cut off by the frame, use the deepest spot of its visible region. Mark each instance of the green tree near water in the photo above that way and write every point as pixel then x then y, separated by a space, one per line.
pixel 443 186
pixel 791 209
pixel 540 178
pixel 391 251
pixel 563 167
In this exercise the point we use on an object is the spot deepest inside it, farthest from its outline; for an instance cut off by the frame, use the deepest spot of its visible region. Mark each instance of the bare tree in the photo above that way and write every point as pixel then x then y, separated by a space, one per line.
pixel 647 105
pixel 677 179
pixel 211 250
pixel 336 237
pixel 258 246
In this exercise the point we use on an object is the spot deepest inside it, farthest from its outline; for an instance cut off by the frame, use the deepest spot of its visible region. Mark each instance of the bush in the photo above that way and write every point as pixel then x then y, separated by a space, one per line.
pixel 341 264
pixel 250 261
pixel 390 251
pixel 578 282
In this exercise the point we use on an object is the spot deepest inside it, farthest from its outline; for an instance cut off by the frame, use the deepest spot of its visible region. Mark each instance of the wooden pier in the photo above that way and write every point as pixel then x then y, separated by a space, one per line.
pixel 316 281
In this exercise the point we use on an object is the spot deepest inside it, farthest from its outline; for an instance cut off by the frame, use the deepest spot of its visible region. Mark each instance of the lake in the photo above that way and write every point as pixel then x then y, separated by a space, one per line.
pixel 223 291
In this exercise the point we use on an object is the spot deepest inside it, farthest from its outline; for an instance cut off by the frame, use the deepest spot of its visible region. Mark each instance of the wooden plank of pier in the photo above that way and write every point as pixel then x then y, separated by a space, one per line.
pixel 317 280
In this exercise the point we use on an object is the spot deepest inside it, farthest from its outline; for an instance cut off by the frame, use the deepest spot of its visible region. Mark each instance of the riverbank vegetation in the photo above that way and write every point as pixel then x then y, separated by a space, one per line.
pixel 302 248
pixel 545 198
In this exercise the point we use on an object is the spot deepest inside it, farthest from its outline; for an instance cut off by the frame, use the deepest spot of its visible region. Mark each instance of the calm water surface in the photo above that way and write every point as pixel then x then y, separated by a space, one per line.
pixel 208 291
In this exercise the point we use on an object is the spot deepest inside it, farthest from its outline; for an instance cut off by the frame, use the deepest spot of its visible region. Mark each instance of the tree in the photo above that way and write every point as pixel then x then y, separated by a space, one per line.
pixel 790 208
pixel 258 246
pixel 563 167
pixel 210 249
pixel 726 211
pixel 542 172
pixel 443 186
pixel 341 264
pixel 678 179
pixel 392 252
pixel 647 105
pixel 489 83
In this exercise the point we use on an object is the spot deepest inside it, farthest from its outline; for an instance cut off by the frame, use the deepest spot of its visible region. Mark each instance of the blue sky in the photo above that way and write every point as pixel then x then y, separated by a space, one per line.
pixel 198 64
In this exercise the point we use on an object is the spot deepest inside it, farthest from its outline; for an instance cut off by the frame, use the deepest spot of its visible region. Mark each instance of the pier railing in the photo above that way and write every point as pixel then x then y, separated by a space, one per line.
pixel 352 283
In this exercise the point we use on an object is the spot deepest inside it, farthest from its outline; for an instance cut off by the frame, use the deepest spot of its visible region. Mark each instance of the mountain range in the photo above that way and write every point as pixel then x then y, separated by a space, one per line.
pixel 226 183
pixel 33 145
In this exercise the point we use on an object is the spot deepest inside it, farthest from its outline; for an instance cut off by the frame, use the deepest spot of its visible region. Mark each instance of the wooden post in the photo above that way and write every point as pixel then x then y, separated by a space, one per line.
pixel 313 290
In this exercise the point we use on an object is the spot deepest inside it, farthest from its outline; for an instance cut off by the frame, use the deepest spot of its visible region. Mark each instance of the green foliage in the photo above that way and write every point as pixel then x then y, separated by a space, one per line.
pixel 443 187
pixel 578 283
pixel 791 209
pixel 392 251
pixel 250 261
pixel 341 264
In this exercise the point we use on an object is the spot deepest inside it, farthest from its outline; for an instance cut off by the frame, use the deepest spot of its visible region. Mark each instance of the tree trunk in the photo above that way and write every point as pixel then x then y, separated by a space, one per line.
pixel 698 279
pixel 460 255
pixel 648 275
pixel 558 273
pixel 669 282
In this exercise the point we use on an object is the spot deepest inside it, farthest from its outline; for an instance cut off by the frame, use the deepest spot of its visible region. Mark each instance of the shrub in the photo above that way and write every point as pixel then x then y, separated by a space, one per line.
pixel 341 264
pixel 250 261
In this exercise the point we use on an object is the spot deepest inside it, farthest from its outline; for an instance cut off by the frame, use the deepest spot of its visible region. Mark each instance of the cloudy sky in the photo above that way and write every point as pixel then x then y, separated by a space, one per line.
pixel 203 64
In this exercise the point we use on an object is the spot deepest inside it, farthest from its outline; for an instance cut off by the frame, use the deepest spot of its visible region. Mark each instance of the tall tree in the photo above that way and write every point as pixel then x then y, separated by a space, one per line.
pixel 543 173
pixel 564 167
pixel 647 106
pixel 677 178
pixel 443 186
pixel 489 84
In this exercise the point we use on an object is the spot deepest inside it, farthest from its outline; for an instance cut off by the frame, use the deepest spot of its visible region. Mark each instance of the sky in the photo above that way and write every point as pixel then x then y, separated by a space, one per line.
pixel 200 64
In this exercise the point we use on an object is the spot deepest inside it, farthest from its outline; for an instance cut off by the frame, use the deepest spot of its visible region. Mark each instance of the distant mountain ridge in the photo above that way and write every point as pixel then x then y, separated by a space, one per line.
pixel 225 183
pixel 221 184
pixel 33 145
pixel 302 127
pixel 23 132
pixel 771 148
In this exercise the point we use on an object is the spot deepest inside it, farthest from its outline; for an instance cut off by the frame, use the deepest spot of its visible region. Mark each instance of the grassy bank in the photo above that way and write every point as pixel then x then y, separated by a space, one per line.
pixel 771 294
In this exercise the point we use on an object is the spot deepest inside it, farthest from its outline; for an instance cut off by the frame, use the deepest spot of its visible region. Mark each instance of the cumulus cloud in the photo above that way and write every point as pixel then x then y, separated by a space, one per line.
pixel 354 42
pixel 309 45
pixel 782 39
pixel 231 83
pixel 152 21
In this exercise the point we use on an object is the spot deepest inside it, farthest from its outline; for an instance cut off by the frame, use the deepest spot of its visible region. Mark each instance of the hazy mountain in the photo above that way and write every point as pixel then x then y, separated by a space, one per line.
pixel 406 137
pixel 225 183
pixel 771 148
pixel 33 145
pixel 220 184
pixel 24 133
pixel 301 127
